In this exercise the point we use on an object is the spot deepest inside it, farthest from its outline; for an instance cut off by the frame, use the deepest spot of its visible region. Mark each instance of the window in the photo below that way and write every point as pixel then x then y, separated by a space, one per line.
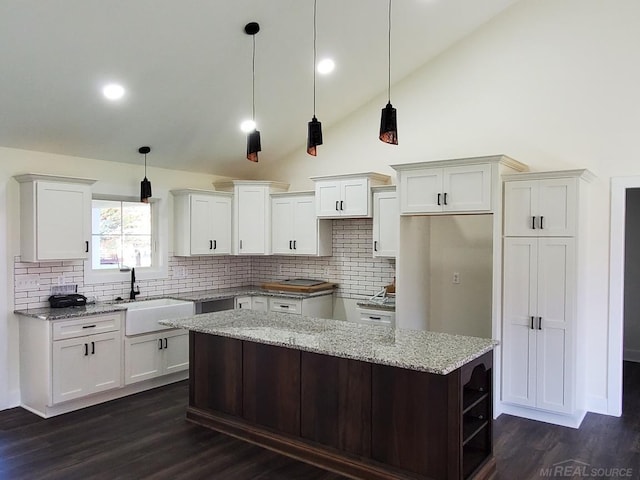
pixel 126 233
pixel 120 235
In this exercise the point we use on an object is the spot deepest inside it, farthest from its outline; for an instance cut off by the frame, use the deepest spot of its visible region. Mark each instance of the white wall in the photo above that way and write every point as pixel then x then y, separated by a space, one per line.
pixel 551 83
pixel 461 244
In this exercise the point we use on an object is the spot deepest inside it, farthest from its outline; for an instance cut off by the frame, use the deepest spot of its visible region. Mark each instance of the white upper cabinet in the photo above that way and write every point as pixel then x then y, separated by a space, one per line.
pixel 346 196
pixel 452 186
pixel 386 217
pixel 543 207
pixel 55 217
pixel 251 214
pixel 202 222
pixel 295 229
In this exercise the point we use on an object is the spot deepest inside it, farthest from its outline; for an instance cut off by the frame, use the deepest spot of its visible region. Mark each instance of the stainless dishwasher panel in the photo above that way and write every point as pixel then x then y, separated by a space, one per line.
pixel 218 305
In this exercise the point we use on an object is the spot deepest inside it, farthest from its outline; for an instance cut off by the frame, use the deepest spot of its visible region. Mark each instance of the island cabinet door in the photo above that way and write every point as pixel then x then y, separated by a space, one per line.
pixel 416 423
pixel 215 373
pixel 271 386
pixel 336 403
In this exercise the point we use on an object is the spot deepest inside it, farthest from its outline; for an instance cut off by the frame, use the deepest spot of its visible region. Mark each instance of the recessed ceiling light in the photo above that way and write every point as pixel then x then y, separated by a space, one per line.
pixel 326 66
pixel 248 126
pixel 113 91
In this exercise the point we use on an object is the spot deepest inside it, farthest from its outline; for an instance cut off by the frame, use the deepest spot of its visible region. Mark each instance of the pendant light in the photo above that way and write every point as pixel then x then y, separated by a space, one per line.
pixel 314 134
pixel 253 137
pixel 145 185
pixel 388 123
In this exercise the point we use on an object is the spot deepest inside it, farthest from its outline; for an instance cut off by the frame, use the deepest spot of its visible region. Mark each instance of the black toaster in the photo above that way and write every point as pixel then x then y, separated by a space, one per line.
pixel 70 300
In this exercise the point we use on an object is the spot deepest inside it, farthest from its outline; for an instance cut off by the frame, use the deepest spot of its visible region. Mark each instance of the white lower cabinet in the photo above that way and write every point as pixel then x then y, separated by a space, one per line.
pixel 319 306
pixel 154 354
pixel 85 365
pixel 539 316
pixel 66 362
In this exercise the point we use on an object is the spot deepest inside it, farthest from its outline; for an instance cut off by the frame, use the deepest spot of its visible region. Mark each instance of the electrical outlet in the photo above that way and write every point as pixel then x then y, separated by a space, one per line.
pixel 180 271
pixel 325 272
pixel 226 268
pixel 456 278
pixel 280 269
pixel 60 279
pixel 27 282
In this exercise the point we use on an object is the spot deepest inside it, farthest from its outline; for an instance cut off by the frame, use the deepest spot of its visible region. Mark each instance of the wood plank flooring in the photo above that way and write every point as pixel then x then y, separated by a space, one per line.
pixel 145 436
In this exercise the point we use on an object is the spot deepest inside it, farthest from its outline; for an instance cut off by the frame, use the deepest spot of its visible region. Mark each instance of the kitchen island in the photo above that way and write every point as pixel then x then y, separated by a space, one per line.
pixel 365 401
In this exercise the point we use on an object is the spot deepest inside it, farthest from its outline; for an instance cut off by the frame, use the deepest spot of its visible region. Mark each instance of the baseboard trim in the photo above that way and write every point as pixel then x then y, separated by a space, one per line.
pixel 572 421
pixel 598 405
pixel 91 400
pixel 631 355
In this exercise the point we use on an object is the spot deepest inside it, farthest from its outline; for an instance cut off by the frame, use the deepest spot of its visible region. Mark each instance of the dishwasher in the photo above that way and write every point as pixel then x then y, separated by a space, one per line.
pixel 217 305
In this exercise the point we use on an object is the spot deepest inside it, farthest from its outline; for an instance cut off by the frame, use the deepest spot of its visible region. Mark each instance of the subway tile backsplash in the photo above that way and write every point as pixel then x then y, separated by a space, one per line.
pixel 352 266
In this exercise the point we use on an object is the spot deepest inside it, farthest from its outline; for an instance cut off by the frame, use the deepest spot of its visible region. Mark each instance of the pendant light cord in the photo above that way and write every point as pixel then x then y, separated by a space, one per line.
pixel 315 9
pixel 145 165
pixel 389 58
pixel 253 81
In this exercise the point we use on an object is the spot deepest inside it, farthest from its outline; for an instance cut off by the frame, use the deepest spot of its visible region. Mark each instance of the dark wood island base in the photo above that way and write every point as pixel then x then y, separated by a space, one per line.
pixel 362 420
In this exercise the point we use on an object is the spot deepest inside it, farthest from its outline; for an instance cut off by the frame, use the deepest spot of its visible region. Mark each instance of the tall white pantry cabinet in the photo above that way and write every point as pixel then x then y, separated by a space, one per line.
pixel 542 371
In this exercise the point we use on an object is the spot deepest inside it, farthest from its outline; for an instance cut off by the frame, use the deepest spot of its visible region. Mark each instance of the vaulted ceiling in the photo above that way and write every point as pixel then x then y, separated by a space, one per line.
pixel 186 68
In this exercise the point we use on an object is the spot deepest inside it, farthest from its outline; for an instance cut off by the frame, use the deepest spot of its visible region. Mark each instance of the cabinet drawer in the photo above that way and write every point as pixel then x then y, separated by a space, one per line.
pixel 285 305
pixel 86 326
pixel 376 317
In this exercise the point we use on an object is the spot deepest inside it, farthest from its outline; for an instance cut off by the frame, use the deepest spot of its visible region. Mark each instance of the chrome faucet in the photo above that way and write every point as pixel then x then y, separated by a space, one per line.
pixel 134 291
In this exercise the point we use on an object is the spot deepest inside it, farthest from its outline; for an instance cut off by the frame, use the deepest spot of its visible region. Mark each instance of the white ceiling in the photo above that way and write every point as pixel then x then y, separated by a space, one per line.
pixel 186 65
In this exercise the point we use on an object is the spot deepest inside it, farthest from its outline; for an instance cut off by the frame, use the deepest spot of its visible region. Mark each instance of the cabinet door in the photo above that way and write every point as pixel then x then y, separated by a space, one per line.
pixel 63 220
pixel 556 284
pixel 176 352
pixel 305 226
pixel 105 362
pixel 385 224
pixel 70 369
pixel 557 207
pixel 421 191
pixel 221 219
pixel 520 207
pixel 328 198
pixel 251 220
pixel 282 221
pixel 467 188
pixel 355 197
pixel 142 357
pixel 202 210
pixel 243 303
pixel 519 337
pixel 260 304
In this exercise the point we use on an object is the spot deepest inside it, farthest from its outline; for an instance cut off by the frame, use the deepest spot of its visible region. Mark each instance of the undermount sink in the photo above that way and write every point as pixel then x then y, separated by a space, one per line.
pixel 143 315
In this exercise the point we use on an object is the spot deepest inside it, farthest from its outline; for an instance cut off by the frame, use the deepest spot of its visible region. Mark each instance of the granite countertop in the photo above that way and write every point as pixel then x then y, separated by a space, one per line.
pixel 222 293
pixel 48 313
pixel 389 306
pixel 425 351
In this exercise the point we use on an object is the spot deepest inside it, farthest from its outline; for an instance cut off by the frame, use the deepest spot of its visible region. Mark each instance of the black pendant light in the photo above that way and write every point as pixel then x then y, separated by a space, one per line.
pixel 388 122
pixel 314 134
pixel 145 185
pixel 253 137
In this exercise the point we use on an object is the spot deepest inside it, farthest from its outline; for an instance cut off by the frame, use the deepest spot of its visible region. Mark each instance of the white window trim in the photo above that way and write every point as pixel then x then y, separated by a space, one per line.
pixel 160 233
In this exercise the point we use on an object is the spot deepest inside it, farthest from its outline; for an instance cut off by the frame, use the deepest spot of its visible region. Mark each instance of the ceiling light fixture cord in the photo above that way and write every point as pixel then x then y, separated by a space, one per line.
pixel 389 57
pixel 315 10
pixel 253 81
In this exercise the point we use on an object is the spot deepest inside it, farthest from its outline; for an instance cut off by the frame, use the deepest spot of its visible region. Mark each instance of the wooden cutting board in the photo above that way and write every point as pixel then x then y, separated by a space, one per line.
pixel 298 288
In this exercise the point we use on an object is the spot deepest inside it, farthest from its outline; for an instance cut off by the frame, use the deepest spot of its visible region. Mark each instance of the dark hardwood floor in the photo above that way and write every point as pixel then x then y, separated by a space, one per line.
pixel 145 436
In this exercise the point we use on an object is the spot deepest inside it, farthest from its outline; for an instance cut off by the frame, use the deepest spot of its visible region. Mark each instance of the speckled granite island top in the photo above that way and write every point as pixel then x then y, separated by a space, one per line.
pixel 432 352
